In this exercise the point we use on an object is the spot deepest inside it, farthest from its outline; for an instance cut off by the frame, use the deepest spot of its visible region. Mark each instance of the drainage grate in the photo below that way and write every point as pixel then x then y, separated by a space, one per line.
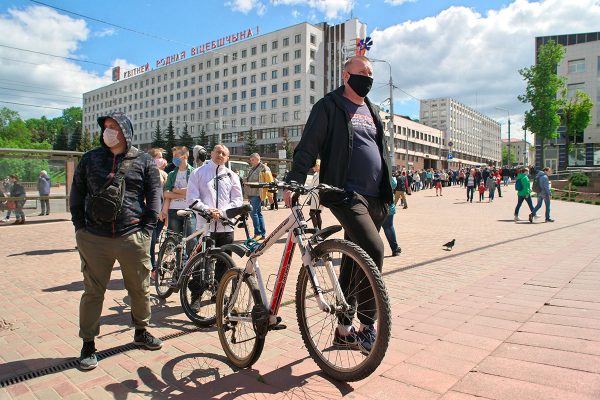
pixel 74 362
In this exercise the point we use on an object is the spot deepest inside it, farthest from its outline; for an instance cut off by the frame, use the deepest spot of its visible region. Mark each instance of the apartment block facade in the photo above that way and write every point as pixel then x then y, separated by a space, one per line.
pixel 265 83
pixel 581 67
pixel 469 137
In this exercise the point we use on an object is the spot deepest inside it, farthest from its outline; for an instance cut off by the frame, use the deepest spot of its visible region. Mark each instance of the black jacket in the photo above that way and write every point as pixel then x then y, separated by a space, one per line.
pixel 328 133
pixel 143 193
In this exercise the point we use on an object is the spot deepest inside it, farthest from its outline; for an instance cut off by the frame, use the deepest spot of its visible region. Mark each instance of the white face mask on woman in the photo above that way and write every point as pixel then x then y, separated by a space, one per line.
pixel 111 137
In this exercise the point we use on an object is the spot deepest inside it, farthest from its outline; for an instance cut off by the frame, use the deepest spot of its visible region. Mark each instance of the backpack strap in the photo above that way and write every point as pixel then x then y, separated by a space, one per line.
pixel 128 160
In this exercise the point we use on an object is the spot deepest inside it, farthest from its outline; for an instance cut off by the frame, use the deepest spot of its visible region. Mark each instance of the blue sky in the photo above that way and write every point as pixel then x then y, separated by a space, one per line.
pixel 466 49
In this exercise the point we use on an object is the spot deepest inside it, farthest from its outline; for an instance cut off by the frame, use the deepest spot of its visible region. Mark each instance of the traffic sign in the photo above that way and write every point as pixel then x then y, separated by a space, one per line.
pixel 450 156
pixel 450 144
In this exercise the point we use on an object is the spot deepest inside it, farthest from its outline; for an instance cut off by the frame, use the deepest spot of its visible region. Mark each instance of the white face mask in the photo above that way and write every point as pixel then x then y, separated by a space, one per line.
pixel 111 137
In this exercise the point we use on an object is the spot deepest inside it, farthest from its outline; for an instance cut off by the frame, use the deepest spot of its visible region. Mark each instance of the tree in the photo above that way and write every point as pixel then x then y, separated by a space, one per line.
pixel 170 141
pixel 185 139
pixel 157 139
pixel 287 146
pixel 575 117
pixel 75 137
pixel 212 142
pixel 513 157
pixel 85 144
pixel 7 116
pixel 96 140
pixel 543 85
pixel 203 139
pixel 61 142
pixel 251 146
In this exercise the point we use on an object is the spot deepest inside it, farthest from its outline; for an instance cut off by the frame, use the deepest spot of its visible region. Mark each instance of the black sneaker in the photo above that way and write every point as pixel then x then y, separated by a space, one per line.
pixel 366 338
pixel 531 218
pixel 145 338
pixel 396 252
pixel 549 220
pixel 88 359
pixel 346 341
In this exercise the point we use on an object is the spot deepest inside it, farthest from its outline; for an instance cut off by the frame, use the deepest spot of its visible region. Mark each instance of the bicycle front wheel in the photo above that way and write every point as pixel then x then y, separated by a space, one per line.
pixel 166 262
pixel 198 292
pixel 238 338
pixel 341 356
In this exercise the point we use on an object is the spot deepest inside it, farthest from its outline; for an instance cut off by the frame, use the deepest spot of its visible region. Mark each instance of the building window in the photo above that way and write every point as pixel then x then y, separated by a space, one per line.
pixel 576 66
pixel 274 74
pixel 253 65
pixel 312 70
pixel 244 53
pixel 312 85
pixel 297 68
pixel 252 121
pixel 286 57
pixel 252 106
pixel 273 60
pixel 297 84
pixel 574 87
pixel 263 105
pixel 297 99
pixel 263 91
pixel 285 86
pixel 285 117
pixel 274 45
pixel 296 115
pixel 263 48
pixel 284 101
pixel 285 71
pixel 274 103
pixel 274 88
pixel 263 76
pixel 312 54
pixel 273 118
pixel 253 51
pixel 312 99
pixel 297 38
pixel 263 119
pixel 297 54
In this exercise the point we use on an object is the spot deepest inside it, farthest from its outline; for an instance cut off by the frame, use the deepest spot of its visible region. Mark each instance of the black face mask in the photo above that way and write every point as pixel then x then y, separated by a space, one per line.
pixel 361 84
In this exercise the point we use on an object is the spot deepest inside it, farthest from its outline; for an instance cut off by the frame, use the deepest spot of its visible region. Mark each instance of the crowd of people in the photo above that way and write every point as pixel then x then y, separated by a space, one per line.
pixel 121 198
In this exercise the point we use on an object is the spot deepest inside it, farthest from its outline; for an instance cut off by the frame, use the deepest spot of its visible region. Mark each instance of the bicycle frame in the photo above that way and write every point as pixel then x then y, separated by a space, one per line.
pixel 295 225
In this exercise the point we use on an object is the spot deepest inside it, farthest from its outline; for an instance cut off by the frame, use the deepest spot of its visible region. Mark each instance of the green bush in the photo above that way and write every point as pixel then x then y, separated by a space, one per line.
pixel 597 202
pixel 588 202
pixel 580 200
pixel 579 179
pixel 572 199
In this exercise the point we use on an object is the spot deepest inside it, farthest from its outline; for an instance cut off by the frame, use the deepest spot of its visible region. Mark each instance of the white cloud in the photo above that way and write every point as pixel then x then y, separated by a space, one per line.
pixel 399 2
pixel 295 13
pixel 465 55
pixel 105 32
pixel 245 6
pixel 58 82
pixel 331 8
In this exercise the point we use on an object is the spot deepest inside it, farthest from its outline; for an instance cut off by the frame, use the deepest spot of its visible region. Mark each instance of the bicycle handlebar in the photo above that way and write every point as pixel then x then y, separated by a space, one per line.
pixel 231 213
pixel 294 187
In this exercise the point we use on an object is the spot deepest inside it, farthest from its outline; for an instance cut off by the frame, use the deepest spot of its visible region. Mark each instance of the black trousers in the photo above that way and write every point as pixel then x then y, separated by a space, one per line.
pixel 361 217
pixel 196 287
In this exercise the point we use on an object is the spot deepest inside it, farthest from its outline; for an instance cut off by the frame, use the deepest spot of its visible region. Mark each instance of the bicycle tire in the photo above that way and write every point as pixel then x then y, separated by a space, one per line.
pixel 224 327
pixel 206 291
pixel 166 263
pixel 328 357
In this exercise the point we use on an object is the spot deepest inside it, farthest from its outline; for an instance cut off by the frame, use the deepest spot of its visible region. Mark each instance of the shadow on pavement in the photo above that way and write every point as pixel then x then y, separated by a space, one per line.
pixel 16 368
pixel 36 221
pixel 205 375
pixel 42 252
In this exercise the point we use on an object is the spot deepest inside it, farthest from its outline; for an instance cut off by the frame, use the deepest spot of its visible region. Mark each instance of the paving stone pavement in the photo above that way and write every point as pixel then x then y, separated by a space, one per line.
pixel 512 312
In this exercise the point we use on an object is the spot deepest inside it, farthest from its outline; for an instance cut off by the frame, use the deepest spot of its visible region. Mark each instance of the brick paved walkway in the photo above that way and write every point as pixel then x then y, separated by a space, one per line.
pixel 513 312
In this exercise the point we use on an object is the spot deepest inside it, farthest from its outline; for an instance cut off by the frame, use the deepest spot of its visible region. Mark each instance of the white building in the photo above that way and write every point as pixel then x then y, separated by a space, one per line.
pixel 581 67
pixel 267 83
pixel 524 152
pixel 470 137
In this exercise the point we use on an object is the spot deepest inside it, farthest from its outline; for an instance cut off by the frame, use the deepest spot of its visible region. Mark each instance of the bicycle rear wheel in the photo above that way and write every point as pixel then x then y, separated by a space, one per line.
pixel 344 360
pixel 166 264
pixel 238 338
pixel 198 291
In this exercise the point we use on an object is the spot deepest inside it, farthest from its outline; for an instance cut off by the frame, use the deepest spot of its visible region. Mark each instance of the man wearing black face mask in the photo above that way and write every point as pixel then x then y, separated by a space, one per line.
pixel 345 130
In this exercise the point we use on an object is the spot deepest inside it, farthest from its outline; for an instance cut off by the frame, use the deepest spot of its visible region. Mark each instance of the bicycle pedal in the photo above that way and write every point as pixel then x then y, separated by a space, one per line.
pixel 278 327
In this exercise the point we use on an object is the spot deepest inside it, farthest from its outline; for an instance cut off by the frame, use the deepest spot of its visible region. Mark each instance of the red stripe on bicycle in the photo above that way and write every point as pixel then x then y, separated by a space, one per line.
pixel 282 276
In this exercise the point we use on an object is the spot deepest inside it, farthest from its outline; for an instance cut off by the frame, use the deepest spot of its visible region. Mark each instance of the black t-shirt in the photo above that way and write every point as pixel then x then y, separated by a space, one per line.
pixel 365 172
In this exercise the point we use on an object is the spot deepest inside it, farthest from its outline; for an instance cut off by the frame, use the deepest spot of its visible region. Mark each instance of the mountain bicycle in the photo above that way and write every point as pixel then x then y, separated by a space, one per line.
pixel 245 315
pixel 196 276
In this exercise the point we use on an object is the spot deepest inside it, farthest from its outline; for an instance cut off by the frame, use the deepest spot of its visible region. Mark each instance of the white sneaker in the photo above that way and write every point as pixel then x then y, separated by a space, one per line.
pixel 517 219
pixel 537 216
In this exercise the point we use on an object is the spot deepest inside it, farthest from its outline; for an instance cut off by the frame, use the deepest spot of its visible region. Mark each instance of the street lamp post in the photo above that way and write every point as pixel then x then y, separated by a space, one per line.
pixel 508 113
pixel 391 126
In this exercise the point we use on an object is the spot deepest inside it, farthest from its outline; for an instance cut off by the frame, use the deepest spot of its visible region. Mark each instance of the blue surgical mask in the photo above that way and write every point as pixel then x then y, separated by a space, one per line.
pixel 176 161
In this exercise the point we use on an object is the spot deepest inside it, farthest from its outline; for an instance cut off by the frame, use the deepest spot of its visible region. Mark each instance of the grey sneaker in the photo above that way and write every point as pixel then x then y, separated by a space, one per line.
pixel 366 338
pixel 145 338
pixel 345 341
pixel 88 359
